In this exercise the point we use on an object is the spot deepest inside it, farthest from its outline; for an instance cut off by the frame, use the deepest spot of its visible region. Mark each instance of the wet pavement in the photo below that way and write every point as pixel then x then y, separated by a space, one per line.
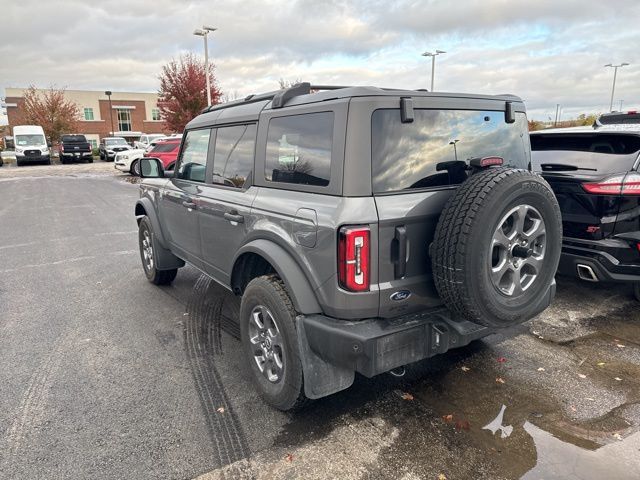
pixel 107 376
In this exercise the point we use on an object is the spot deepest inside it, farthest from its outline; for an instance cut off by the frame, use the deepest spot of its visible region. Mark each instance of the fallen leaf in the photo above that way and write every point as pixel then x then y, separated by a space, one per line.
pixel 220 409
pixel 617 436
pixel 463 425
pixel 619 345
pixel 541 369
pixel 442 476
pixel 601 364
pixel 407 396
pixel 289 457
pixel 98 283
pixel 501 359
pixel 618 379
pixel 499 380
pixel 465 369
pixel 582 375
pixel 447 418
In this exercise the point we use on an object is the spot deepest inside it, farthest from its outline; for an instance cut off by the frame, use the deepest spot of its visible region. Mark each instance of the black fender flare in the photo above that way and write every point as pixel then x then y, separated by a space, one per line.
pixel 150 212
pixel 165 259
pixel 302 294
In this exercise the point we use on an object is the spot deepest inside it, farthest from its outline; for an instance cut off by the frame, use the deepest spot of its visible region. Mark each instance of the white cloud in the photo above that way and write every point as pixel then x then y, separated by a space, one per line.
pixel 547 52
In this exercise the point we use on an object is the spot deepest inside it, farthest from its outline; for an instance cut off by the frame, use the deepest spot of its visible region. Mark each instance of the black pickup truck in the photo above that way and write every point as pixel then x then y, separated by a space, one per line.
pixel 75 147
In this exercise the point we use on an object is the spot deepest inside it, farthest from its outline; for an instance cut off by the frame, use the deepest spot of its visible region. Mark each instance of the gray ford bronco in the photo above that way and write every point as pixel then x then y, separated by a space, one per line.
pixel 363 228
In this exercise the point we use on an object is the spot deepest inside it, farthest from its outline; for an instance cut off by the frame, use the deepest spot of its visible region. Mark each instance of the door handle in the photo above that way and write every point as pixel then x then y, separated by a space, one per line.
pixel 234 217
pixel 188 204
pixel 400 267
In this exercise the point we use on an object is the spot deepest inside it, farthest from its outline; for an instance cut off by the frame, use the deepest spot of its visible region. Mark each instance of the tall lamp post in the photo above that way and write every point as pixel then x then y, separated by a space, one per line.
pixel 455 149
pixel 433 63
pixel 204 33
pixel 108 94
pixel 615 74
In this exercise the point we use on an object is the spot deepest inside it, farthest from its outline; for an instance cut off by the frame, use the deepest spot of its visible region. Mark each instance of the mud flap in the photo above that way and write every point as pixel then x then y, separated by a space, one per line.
pixel 320 378
pixel 165 260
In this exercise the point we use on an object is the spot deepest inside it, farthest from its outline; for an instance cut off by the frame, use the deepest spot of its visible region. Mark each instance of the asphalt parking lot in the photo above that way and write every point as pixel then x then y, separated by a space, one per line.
pixel 107 376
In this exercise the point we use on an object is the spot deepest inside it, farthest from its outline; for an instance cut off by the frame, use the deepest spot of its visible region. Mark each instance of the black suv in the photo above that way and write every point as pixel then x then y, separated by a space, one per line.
pixel 364 228
pixel 594 173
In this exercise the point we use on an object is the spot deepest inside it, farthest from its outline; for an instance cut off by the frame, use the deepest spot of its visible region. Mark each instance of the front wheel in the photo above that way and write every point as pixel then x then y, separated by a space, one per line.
pixel 135 168
pixel 148 256
pixel 270 342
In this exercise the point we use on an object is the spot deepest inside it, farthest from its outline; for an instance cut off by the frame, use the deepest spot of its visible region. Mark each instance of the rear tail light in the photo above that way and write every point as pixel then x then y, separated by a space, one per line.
pixel 354 258
pixel 623 184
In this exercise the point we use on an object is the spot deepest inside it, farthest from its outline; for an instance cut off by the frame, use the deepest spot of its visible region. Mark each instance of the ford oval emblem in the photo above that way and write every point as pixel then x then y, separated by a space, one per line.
pixel 400 295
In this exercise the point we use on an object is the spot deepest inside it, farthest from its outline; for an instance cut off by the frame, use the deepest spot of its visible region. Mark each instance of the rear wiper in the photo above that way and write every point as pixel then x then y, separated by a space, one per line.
pixel 559 167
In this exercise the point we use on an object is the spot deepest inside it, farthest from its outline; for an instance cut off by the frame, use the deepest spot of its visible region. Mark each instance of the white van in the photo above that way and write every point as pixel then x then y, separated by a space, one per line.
pixel 30 145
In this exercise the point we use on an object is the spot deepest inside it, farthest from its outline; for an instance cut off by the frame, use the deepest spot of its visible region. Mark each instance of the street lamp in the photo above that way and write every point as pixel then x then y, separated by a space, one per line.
pixel 455 149
pixel 204 33
pixel 108 94
pixel 615 74
pixel 433 62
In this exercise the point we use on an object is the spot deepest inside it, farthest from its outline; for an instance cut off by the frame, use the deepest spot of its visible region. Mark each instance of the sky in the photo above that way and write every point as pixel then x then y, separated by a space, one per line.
pixel 547 52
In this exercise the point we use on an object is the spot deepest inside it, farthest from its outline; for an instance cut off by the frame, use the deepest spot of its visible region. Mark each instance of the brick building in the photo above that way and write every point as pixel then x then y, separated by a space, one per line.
pixel 133 113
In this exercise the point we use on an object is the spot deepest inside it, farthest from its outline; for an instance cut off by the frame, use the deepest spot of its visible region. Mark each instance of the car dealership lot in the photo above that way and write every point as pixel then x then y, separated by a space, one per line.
pixel 105 375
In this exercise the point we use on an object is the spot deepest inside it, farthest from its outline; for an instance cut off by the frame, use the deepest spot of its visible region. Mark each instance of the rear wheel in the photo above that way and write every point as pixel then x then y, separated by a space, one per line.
pixel 497 247
pixel 270 342
pixel 148 257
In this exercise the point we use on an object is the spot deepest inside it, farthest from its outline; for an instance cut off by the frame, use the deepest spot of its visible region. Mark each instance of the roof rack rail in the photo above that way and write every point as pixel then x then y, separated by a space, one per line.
pixel 279 97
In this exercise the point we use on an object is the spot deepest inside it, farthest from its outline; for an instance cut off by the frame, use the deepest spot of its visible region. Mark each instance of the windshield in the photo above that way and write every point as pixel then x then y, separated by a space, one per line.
pixel 36 139
pixel 115 141
pixel 434 150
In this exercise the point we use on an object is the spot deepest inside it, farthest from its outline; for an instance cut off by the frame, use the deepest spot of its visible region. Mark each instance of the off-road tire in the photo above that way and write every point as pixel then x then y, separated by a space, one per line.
pixel 288 393
pixel 461 249
pixel 155 276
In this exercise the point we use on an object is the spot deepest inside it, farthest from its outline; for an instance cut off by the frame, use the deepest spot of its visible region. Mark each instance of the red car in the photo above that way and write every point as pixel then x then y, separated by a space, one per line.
pixel 166 151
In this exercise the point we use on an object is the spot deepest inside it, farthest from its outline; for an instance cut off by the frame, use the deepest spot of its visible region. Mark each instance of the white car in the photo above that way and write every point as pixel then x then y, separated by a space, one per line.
pixel 128 161
pixel 146 139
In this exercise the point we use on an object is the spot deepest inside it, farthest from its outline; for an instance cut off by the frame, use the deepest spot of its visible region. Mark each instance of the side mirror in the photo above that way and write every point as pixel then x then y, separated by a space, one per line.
pixel 151 168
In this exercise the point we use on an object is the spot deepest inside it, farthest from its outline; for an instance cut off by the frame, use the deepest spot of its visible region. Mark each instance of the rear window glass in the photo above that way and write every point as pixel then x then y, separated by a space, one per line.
pixel 164 147
pixel 619 119
pixel 434 150
pixel 299 149
pixel 74 138
pixel 596 143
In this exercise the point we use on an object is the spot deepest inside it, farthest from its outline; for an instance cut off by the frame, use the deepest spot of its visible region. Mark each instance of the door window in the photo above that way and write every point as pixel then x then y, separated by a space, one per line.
pixel 193 160
pixel 299 149
pixel 233 161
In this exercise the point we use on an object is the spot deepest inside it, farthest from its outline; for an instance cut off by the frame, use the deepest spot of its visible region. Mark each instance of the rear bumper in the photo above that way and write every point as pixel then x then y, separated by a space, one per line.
pixel 76 155
pixel 375 346
pixel 609 259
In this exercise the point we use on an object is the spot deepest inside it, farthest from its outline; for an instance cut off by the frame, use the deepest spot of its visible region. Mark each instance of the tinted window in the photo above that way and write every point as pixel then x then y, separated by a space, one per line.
pixel 434 149
pixel 164 147
pixel 193 161
pixel 233 161
pixel 299 149
pixel 73 138
pixel 615 144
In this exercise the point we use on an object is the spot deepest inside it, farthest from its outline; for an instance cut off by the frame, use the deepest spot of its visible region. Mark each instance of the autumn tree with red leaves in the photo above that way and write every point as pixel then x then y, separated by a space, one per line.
pixel 183 91
pixel 51 110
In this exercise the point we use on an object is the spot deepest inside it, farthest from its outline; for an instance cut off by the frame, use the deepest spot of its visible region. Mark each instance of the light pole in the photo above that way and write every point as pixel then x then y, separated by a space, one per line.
pixel 204 33
pixel 621 105
pixel 433 63
pixel 615 74
pixel 108 94
pixel 455 149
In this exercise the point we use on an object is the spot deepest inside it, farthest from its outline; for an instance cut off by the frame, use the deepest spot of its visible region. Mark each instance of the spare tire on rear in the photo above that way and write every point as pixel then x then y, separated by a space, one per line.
pixel 497 246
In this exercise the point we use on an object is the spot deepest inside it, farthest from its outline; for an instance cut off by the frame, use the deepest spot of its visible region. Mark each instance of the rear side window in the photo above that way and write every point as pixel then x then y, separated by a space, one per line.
pixel 434 150
pixel 164 147
pixel 299 149
pixel 193 160
pixel 233 160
